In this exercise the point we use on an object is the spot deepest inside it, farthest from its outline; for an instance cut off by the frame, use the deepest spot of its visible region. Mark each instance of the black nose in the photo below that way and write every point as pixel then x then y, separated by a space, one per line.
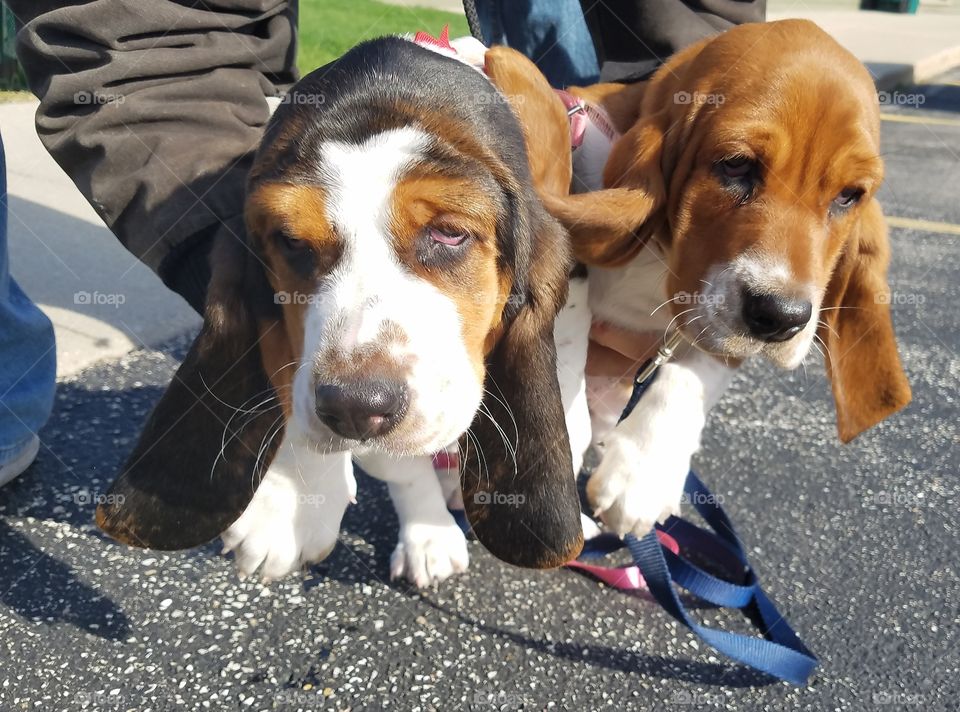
pixel 773 318
pixel 362 410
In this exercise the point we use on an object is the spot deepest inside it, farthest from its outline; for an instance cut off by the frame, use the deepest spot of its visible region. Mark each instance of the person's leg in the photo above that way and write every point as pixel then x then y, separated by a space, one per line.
pixel 552 33
pixel 165 182
pixel 28 362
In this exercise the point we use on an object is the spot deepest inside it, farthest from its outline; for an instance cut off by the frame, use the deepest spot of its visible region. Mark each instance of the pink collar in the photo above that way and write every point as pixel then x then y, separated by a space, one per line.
pixel 581 115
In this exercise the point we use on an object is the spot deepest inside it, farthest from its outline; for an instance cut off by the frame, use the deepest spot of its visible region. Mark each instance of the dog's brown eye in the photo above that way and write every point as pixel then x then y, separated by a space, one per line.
pixel 445 237
pixel 736 167
pixel 847 197
pixel 291 243
pixel 739 176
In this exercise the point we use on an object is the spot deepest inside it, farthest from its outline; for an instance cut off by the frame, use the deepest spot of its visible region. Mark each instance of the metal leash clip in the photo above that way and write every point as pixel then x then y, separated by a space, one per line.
pixel 664 354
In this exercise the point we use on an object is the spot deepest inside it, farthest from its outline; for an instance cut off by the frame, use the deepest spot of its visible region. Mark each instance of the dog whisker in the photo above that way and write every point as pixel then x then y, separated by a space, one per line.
pixel 666 332
pixel 672 299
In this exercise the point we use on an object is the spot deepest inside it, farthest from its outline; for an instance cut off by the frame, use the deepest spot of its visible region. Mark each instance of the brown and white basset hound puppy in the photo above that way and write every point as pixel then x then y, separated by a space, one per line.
pixel 395 293
pixel 732 199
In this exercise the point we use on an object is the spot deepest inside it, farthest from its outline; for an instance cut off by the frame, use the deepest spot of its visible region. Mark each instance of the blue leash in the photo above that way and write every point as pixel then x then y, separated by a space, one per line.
pixel 780 652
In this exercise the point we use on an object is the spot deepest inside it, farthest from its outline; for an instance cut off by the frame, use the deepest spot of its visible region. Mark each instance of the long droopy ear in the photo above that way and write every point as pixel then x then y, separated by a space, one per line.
pixel 867 379
pixel 519 488
pixel 542 117
pixel 608 227
pixel 211 437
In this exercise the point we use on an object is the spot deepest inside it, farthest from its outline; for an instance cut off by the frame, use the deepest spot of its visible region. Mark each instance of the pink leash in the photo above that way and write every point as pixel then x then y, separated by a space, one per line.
pixel 624 578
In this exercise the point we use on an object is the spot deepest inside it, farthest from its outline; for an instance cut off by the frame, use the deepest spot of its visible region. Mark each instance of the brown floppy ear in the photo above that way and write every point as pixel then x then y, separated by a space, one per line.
pixel 519 489
pixel 609 227
pixel 211 437
pixel 867 379
pixel 542 116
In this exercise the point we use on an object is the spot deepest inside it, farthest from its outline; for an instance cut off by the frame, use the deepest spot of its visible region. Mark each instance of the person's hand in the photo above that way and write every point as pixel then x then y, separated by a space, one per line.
pixel 618 353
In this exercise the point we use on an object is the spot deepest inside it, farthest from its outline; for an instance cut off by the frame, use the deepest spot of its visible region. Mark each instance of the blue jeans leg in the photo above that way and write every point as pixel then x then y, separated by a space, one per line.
pixel 553 33
pixel 28 355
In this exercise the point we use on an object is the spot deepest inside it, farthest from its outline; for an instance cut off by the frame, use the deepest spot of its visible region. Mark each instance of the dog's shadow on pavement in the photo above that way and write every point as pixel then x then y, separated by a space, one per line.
pixel 41 588
pixel 652 666
pixel 373 521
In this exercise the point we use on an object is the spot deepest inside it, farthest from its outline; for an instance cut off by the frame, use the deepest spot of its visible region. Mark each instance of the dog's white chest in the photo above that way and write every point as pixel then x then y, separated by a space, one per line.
pixel 589 160
pixel 631 296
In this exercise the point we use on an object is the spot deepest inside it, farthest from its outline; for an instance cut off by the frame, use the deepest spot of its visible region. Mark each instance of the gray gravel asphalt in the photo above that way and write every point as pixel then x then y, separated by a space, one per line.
pixel 856 543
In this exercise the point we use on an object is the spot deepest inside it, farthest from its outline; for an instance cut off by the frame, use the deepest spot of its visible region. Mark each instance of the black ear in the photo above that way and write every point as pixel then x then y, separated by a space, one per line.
pixel 519 490
pixel 211 437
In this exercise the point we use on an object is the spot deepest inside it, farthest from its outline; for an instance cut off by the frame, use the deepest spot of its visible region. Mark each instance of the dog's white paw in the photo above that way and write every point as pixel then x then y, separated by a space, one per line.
pixel 294 517
pixel 590 528
pixel 428 554
pixel 633 488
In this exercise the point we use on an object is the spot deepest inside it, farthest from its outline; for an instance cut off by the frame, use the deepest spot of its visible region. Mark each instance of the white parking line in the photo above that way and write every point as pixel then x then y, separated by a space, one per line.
pixel 924 225
pixel 911 119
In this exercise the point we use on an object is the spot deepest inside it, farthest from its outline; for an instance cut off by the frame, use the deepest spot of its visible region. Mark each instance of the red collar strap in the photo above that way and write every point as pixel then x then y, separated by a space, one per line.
pixel 442 42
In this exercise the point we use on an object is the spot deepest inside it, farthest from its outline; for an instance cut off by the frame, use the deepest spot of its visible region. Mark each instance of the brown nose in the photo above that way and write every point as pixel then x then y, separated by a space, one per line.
pixel 361 410
pixel 772 318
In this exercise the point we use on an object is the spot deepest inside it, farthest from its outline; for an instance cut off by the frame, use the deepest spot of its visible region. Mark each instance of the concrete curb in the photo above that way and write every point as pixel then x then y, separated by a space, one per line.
pixel 898 50
pixel 103 303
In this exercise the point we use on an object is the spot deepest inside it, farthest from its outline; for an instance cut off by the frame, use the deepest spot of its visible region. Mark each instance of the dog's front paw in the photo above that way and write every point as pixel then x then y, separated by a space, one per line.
pixel 633 487
pixel 292 520
pixel 429 553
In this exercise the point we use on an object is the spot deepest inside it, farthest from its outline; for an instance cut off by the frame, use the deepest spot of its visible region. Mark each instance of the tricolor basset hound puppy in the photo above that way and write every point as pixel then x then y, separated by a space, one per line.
pixel 395 293
pixel 730 197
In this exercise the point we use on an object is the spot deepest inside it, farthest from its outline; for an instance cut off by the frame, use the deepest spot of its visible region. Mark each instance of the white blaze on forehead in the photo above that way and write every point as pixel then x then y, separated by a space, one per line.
pixel 362 178
pixel 370 291
pixel 363 175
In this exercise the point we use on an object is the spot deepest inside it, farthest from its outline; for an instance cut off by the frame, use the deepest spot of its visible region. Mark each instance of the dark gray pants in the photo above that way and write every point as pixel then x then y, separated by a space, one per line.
pixel 154 108
pixel 634 37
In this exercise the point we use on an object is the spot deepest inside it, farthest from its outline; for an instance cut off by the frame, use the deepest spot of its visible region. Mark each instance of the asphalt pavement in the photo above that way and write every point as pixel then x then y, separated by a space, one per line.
pixel 857 544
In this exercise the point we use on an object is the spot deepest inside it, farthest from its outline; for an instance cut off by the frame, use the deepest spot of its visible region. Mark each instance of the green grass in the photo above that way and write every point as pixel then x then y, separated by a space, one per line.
pixel 7 97
pixel 328 28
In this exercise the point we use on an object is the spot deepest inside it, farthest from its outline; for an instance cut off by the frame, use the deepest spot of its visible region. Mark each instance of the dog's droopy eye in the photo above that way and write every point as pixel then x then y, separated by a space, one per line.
pixel 739 175
pixel 292 244
pixel 847 197
pixel 736 167
pixel 446 237
pixel 440 246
